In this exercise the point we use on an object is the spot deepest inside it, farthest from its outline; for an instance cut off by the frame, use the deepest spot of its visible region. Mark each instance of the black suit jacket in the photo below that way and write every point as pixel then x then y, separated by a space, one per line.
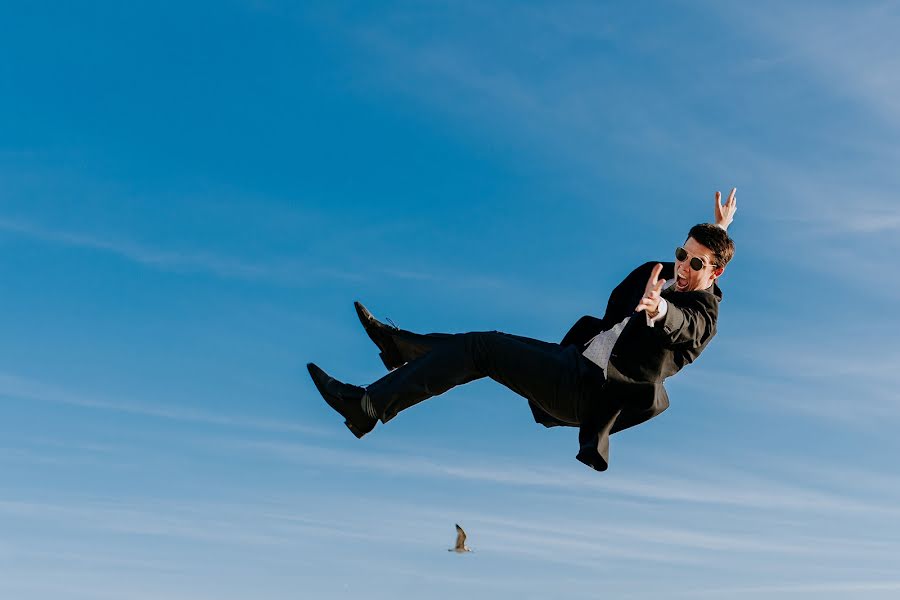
pixel 641 359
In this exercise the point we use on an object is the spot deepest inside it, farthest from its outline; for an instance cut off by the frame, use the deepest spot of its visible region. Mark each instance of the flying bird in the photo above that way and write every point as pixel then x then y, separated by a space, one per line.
pixel 460 541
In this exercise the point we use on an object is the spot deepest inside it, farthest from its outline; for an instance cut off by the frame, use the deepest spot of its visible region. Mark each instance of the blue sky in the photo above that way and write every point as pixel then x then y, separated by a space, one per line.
pixel 193 194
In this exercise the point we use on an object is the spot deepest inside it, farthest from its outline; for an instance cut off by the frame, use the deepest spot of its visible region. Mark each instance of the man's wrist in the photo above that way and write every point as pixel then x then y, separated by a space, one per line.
pixel 661 309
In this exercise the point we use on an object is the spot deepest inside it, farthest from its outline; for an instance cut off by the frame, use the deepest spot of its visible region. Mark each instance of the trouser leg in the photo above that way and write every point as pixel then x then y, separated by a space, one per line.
pixel 415 345
pixel 545 373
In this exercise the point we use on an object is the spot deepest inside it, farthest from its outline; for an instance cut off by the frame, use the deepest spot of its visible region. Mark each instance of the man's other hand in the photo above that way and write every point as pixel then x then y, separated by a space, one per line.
pixel 725 214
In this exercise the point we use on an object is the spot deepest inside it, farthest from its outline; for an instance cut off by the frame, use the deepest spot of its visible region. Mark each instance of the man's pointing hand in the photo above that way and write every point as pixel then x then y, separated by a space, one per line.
pixel 650 301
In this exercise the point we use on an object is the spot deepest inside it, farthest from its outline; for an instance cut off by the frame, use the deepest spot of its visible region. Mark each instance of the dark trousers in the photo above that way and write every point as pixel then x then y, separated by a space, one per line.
pixel 557 378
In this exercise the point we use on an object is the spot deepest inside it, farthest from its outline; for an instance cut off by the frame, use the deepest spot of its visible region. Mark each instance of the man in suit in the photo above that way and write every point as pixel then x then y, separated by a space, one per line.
pixel 606 375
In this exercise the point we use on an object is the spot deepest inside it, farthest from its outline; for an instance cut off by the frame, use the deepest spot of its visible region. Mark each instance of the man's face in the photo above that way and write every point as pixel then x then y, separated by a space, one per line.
pixel 689 279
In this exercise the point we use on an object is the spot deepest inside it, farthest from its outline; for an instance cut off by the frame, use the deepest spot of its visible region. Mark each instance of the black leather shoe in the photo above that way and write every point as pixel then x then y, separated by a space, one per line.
pixel 381 334
pixel 346 399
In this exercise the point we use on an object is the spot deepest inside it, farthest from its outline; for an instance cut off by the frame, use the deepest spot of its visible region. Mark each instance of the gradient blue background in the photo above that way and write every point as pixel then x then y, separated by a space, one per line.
pixel 193 194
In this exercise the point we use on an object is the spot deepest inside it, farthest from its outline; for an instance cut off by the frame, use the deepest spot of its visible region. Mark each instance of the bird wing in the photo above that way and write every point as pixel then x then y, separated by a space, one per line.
pixel 460 538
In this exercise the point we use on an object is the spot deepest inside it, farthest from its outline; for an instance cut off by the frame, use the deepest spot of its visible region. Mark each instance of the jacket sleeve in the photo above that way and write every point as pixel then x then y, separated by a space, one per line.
pixel 690 320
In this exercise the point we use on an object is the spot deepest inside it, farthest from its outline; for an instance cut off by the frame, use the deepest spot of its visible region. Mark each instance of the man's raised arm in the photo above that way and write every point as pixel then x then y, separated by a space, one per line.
pixel 724 214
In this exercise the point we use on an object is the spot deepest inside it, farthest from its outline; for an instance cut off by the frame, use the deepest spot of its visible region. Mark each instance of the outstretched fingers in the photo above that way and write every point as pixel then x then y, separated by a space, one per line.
pixel 724 214
pixel 650 300
pixel 730 204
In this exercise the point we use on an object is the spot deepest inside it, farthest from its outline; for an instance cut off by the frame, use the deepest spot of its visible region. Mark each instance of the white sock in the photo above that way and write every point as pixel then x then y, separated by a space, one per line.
pixel 368 407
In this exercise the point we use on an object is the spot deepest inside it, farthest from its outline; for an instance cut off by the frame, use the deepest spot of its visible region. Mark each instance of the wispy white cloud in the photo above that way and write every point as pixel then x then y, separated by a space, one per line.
pixel 844 588
pixel 628 540
pixel 815 376
pixel 565 110
pixel 83 558
pixel 269 523
pixel 16 455
pixel 285 272
pixel 829 203
pixel 288 523
pixel 842 179
pixel 293 272
pixel 18 387
pixel 850 49
pixel 723 490
pixel 180 522
pixel 580 106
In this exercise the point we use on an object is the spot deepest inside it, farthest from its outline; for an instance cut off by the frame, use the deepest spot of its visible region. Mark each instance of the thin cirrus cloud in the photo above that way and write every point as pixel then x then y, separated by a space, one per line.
pixel 266 523
pixel 291 273
pixel 568 116
pixel 282 273
pixel 286 527
pixel 184 523
pixel 817 376
pixel 851 52
pixel 26 389
pixel 636 533
pixel 559 115
pixel 808 588
pixel 725 491
pixel 552 538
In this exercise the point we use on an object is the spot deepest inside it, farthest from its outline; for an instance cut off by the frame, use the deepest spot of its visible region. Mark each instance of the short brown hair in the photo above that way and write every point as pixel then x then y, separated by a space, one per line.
pixel 716 239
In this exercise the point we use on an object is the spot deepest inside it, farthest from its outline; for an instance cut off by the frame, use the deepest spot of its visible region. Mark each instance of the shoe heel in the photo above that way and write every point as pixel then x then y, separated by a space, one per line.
pixel 354 430
pixel 390 360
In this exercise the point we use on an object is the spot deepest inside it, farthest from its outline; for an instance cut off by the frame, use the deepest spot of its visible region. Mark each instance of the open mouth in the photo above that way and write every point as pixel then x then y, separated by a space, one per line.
pixel 680 282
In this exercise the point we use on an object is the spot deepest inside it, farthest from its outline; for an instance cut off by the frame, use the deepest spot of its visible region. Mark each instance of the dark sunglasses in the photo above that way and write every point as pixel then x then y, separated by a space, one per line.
pixel 696 263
